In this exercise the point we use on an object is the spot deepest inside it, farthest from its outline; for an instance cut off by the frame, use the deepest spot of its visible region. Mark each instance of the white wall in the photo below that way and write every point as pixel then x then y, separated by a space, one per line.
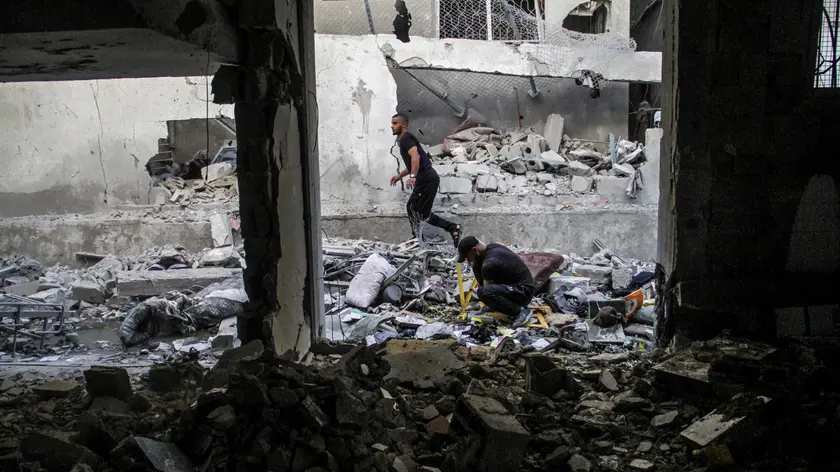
pixel 357 96
pixel 81 146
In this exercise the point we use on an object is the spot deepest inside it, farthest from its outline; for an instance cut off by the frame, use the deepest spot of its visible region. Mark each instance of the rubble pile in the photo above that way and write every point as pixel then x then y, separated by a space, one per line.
pixel 409 405
pixel 217 184
pixel 522 162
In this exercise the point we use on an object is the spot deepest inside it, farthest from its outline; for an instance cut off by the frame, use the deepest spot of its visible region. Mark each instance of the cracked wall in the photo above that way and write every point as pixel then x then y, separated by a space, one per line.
pixel 81 146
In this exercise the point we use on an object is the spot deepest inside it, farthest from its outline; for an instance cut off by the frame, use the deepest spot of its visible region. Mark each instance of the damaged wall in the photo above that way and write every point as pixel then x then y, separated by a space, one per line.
pixel 81 146
pixel 749 212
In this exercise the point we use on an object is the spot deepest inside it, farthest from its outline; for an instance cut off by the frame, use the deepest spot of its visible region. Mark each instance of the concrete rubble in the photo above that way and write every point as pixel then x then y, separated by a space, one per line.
pixel 477 159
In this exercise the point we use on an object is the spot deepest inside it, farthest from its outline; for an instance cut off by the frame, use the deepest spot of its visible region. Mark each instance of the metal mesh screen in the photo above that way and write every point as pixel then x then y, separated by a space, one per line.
pixel 828 61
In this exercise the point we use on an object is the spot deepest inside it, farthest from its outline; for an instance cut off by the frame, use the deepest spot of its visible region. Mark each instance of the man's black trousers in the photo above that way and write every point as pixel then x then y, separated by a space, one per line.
pixel 506 299
pixel 421 201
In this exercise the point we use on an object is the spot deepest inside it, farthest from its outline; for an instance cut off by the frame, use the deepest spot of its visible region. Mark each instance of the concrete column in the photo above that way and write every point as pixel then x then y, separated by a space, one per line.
pixel 273 88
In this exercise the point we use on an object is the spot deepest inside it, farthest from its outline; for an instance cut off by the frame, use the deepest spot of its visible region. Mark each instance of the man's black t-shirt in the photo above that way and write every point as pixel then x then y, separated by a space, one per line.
pixel 502 266
pixel 408 141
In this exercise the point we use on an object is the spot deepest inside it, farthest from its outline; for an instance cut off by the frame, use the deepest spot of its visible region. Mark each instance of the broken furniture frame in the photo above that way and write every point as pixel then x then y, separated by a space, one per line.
pixel 19 308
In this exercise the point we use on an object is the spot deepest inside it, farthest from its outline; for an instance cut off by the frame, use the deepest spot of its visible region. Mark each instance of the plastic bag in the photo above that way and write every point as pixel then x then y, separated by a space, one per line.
pixel 211 311
pixel 365 286
pixel 152 317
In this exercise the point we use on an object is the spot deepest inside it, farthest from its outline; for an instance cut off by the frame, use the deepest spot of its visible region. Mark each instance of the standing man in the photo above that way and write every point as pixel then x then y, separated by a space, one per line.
pixel 422 178
pixel 505 282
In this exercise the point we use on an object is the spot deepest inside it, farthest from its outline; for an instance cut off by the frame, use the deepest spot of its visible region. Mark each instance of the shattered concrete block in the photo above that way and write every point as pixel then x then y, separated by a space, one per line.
pixel 217 171
pixel 518 167
pixel 486 183
pixel 578 463
pixel 88 291
pixel 564 283
pixel 623 170
pixel 220 257
pixel 220 230
pixel 102 381
pixel 54 453
pixel 552 159
pixel 24 289
pixel 579 169
pixel 473 170
pixel 581 184
pixel 156 282
pixel 56 389
pixel 54 295
pixel 545 177
pixel 445 170
pixel 722 426
pixel 597 274
pixel 554 131
pixel 436 150
pixel 612 187
pixel 492 150
pixel 455 185
pixel 622 277
pixel 503 438
pixel 226 336
pixel 664 420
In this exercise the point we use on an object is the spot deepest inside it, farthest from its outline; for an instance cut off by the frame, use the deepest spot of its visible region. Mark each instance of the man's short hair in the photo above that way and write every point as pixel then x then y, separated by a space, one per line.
pixel 402 117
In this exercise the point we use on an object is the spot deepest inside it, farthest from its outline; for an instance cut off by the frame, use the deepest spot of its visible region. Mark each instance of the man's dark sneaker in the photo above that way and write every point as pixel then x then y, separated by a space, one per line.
pixel 523 317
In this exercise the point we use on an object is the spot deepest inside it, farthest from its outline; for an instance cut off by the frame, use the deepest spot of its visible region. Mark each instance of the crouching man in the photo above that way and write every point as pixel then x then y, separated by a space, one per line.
pixel 505 282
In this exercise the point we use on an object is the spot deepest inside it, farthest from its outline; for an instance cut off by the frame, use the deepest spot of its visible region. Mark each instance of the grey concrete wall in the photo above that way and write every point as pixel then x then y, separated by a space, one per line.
pixel 82 146
pixel 628 232
pixel 496 101
pixel 187 137
pixel 56 241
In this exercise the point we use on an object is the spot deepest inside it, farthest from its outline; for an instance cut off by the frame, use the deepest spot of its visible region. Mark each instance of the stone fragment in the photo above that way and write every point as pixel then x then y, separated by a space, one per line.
pixel 445 170
pixel 664 420
pixel 225 338
pixel 486 183
pixel 473 170
pixel 350 411
pixel 157 282
pixel 554 131
pixel 504 440
pixel 458 185
pixel 581 184
pixel 492 150
pixel 552 159
pixel 139 403
pixel 607 381
pixel 94 435
pixel 438 426
pixel 313 414
pixel 23 289
pixel 164 378
pixel 623 170
pixel 220 257
pixel 104 381
pixel 222 417
pixel 88 291
pixel 430 412
pixel 579 169
pixel 54 296
pixel 518 167
pixel 630 403
pixel 220 230
pixel 56 389
pixel 436 150
pixel 597 404
pixel 595 273
pixel 644 446
pixel 622 277
pixel 56 454
pixel 641 464
pixel 558 458
pixel 578 463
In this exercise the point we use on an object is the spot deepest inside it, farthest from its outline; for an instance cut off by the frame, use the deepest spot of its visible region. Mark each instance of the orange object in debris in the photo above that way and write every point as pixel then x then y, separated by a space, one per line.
pixel 634 303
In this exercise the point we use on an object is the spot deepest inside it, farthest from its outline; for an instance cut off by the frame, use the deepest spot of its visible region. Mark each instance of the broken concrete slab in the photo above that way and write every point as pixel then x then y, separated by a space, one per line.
pixel 24 289
pixel 622 277
pixel 595 273
pixel 581 184
pixel 157 282
pixel 486 183
pixel 579 169
pixel 455 185
pixel 220 257
pixel 503 438
pixel 56 454
pixel 421 363
pixel 220 230
pixel 53 295
pixel 665 419
pixel 554 131
pixel 623 170
pixel 445 170
pixel 105 381
pixel 225 338
pixel 725 424
pixel 613 188
pixel 89 291
pixel 473 170
pixel 56 389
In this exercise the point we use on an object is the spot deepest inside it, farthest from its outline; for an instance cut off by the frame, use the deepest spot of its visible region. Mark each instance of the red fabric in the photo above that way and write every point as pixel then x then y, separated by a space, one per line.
pixel 542 265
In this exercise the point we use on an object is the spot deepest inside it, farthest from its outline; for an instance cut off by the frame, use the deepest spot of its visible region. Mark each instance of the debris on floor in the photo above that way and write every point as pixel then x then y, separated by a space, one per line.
pixel 479 159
